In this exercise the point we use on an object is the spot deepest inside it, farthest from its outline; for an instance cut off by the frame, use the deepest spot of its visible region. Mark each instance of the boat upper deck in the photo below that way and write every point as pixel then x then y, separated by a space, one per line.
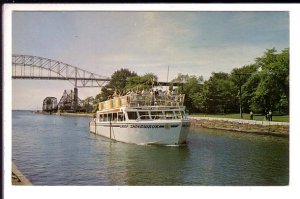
pixel 140 100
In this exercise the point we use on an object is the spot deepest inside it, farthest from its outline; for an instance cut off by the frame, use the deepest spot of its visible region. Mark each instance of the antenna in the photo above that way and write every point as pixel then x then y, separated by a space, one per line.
pixel 168 75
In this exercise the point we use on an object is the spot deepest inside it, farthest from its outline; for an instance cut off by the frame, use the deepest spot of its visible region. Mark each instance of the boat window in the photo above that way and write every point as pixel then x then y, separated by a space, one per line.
pixel 109 117
pixel 114 117
pixel 169 115
pixel 121 116
pixel 144 115
pixel 132 115
pixel 157 115
pixel 101 118
pixel 105 118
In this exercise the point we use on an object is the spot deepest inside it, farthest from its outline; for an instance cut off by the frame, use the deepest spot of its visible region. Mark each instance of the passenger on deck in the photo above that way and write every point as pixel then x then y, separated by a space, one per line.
pixel 156 93
pixel 169 95
pixel 160 94
pixel 152 97
pixel 131 93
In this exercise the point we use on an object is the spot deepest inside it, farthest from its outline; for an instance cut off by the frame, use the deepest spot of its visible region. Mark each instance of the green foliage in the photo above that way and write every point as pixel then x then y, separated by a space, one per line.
pixel 181 78
pixel 117 84
pixel 283 105
pixel 257 87
pixel 88 104
pixel 191 87
pixel 239 76
pixel 248 92
pixel 272 90
pixel 218 95
pixel 141 82
pixel 275 118
pixel 119 80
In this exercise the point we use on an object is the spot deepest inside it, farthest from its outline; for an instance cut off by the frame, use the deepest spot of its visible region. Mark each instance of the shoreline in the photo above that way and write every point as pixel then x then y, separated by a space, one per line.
pixel 280 129
pixel 17 178
pixel 65 114
pixel 238 125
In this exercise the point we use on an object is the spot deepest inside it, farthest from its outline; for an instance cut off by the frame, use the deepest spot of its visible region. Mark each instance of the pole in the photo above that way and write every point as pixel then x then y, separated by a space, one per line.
pixel 240 96
pixel 110 127
pixel 241 109
pixel 168 75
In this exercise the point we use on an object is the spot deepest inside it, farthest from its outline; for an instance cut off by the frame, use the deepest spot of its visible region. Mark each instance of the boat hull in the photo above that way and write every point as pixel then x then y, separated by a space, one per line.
pixel 164 132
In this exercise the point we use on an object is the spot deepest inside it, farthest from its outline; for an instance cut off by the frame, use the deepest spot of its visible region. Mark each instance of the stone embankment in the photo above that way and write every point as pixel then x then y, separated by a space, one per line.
pixel 247 126
pixel 17 177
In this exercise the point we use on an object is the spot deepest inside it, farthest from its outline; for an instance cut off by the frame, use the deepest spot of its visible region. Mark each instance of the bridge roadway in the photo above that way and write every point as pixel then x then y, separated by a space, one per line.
pixel 85 79
pixel 34 67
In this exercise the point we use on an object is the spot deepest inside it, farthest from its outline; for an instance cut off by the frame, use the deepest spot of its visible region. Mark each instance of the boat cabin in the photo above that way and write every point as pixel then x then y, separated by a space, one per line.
pixel 141 107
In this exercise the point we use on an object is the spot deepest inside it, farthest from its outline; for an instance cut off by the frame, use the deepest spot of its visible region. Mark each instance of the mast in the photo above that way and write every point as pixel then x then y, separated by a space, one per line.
pixel 168 75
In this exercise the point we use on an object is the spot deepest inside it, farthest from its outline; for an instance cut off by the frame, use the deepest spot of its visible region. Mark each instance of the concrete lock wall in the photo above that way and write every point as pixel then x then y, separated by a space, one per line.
pixel 249 126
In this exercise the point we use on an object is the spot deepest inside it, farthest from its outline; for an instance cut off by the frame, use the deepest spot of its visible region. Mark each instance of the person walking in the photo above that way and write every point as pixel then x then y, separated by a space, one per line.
pixel 251 115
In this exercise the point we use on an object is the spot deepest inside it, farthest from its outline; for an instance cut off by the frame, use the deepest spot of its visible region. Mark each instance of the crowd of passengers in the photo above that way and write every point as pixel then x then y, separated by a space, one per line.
pixel 154 95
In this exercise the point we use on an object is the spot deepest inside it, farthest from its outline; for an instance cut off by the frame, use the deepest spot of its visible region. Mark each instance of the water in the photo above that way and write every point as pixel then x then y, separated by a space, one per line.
pixel 57 150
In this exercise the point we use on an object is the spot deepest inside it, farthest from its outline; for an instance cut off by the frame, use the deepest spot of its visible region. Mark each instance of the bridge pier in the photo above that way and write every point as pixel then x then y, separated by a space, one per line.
pixel 75 100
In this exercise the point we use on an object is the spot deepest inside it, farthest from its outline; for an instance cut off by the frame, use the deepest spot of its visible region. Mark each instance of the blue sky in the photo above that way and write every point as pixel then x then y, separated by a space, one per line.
pixel 195 43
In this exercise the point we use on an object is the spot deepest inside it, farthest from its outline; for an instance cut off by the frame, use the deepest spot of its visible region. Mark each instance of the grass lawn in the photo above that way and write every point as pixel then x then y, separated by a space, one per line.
pixel 246 116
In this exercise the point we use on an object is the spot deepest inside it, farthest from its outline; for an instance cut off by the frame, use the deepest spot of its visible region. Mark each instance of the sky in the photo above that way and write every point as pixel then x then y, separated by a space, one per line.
pixel 195 43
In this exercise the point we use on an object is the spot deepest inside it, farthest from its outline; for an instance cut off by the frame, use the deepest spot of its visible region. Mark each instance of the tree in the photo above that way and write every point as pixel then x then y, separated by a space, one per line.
pixel 273 88
pixel 142 82
pixel 239 77
pixel 248 92
pixel 117 84
pixel 191 86
pixel 181 78
pixel 88 104
pixel 217 96
pixel 119 80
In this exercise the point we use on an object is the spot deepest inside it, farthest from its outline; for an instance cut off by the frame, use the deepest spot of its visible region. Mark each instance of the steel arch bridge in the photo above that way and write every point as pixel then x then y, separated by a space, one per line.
pixel 34 67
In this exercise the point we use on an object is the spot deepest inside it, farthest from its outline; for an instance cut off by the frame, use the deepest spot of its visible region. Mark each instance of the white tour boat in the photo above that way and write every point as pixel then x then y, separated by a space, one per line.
pixel 142 119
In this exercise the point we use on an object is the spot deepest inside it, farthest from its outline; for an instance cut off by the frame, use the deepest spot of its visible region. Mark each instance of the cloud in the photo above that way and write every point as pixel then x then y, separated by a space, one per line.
pixel 188 42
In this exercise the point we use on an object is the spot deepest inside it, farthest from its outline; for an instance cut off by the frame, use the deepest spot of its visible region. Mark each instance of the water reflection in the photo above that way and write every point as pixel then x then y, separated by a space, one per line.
pixel 129 164
pixel 232 158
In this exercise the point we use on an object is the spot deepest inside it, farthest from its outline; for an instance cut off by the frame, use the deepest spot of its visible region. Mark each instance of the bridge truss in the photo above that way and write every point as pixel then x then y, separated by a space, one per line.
pixel 33 67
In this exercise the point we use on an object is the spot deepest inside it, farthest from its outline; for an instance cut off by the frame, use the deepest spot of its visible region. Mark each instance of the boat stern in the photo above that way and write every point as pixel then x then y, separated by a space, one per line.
pixel 92 126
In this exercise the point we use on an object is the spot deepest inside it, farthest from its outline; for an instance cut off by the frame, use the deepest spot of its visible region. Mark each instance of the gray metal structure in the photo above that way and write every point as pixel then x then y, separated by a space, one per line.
pixel 68 102
pixel 33 67
pixel 50 104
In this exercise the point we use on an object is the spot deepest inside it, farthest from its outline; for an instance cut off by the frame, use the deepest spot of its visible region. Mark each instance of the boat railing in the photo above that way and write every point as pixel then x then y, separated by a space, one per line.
pixel 152 100
pixel 137 100
pixel 144 117
pixel 152 117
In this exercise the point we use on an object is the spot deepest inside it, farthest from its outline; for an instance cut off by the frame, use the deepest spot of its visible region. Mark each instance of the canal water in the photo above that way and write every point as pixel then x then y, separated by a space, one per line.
pixel 58 150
